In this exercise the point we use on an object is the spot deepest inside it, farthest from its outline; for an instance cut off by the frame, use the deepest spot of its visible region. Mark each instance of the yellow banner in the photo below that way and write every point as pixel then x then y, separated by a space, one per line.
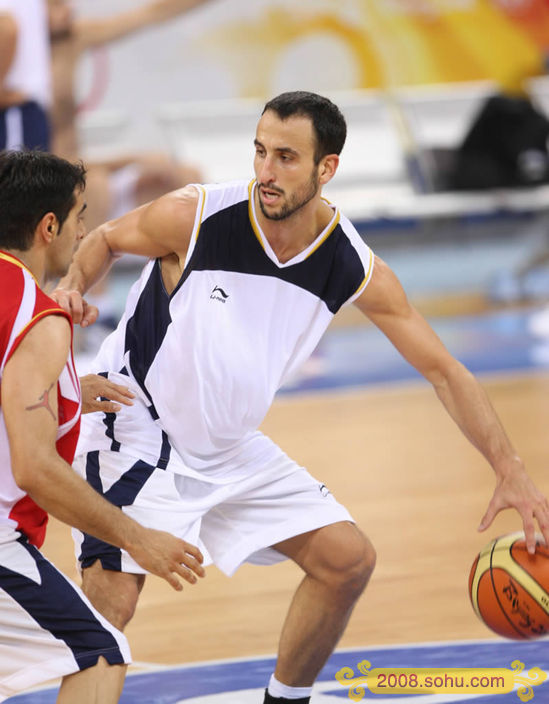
pixel 480 681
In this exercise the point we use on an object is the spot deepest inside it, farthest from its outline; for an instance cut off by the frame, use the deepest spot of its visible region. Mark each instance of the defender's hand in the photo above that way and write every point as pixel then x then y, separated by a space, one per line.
pixel 95 387
pixel 168 557
pixel 81 312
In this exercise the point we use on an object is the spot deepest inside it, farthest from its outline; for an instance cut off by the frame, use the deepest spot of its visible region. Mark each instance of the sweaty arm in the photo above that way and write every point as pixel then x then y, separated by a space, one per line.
pixel 157 229
pixel 386 305
pixel 29 404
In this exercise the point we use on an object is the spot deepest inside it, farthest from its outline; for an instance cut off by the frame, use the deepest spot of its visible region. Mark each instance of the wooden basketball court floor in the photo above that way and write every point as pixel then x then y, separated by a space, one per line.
pixel 385 447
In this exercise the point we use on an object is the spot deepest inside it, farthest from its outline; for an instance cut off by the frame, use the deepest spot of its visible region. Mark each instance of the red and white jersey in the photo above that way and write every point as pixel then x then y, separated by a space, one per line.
pixel 22 305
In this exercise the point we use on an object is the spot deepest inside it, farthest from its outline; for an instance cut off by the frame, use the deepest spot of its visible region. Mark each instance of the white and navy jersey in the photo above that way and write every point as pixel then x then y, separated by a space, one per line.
pixel 209 358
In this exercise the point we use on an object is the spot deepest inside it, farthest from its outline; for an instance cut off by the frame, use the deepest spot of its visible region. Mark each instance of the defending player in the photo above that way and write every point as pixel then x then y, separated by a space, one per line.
pixel 48 628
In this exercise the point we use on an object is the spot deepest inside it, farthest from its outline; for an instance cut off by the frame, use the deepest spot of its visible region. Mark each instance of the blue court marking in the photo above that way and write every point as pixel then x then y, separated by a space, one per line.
pixel 492 342
pixel 236 678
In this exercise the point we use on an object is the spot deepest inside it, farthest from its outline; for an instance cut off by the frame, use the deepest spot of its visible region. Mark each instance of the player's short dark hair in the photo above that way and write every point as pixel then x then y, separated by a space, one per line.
pixel 33 183
pixel 328 122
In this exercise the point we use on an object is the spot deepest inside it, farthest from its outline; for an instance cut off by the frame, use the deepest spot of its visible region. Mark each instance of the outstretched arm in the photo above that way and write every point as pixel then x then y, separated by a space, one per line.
pixel 92 32
pixel 29 405
pixel 155 229
pixel 385 303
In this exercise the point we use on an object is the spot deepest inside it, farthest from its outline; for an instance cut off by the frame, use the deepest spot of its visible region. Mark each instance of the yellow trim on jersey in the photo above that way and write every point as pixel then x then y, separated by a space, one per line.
pixel 257 230
pixel 368 274
pixel 331 228
pixel 202 190
pixel 42 314
pixel 251 215
pixel 13 260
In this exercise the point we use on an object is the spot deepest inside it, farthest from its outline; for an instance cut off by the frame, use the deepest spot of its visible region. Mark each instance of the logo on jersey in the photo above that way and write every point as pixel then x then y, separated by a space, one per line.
pixel 324 489
pixel 218 294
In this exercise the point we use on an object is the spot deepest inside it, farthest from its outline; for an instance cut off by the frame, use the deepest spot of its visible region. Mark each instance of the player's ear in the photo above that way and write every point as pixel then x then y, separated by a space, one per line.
pixel 327 167
pixel 48 227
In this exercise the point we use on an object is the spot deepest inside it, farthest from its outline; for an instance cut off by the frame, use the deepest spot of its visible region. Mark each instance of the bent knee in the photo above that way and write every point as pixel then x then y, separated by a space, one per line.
pixel 348 563
pixel 113 594
pixel 360 561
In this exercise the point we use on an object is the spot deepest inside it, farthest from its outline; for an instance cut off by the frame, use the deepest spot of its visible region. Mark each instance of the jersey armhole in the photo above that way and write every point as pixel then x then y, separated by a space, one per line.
pixel 21 334
pixel 365 281
pixel 197 221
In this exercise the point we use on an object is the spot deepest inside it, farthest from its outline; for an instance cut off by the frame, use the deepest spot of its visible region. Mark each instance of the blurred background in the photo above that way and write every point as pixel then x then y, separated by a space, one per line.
pixel 413 78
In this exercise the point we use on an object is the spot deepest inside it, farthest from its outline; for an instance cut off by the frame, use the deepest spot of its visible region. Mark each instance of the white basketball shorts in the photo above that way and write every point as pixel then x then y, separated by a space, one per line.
pixel 231 523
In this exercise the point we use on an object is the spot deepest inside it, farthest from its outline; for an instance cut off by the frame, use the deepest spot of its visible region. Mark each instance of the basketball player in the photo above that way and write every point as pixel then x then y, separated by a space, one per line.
pixel 48 629
pixel 242 281
pixel 25 75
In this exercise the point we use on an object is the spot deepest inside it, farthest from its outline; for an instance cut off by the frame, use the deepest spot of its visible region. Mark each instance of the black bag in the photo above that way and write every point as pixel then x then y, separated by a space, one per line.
pixel 506 146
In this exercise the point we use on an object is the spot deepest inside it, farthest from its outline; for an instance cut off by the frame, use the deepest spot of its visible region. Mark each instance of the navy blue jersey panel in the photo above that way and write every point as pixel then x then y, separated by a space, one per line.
pixel 147 327
pixel 122 493
pixel 227 242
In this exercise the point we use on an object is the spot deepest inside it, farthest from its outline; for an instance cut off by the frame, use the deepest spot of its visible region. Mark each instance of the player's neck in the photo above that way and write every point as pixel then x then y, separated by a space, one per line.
pixel 290 236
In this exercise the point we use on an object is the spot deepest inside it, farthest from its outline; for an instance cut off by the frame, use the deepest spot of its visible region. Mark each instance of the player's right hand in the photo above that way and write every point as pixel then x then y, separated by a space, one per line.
pixel 166 556
pixel 72 301
pixel 517 490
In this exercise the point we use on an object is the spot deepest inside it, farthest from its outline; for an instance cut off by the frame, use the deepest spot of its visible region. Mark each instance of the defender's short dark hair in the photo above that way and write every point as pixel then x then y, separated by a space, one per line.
pixel 329 124
pixel 33 183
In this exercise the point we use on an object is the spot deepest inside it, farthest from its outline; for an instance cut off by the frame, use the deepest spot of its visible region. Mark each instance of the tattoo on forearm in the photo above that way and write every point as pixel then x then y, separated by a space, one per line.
pixel 44 402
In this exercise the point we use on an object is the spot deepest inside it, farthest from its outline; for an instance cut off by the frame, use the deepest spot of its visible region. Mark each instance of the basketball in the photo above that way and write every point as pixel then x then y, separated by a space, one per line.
pixel 509 588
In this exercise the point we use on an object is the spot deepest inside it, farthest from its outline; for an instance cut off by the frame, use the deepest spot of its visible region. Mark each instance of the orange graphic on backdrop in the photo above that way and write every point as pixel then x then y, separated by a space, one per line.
pixel 392 43
pixel 532 16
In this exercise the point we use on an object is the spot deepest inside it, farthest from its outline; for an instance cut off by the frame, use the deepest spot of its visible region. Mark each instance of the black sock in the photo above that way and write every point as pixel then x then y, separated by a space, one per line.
pixel 269 699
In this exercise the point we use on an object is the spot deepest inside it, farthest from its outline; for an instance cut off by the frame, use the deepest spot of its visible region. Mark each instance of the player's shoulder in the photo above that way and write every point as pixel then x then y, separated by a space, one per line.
pixel 21 296
pixel 52 321
pixel 48 336
pixel 347 225
pixel 351 244
pixel 193 193
pixel 173 208
pixel 178 210
pixel 239 188
pixel 185 197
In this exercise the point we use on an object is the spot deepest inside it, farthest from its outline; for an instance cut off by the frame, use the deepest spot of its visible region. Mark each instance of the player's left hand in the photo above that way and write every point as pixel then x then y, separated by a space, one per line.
pixel 96 387
pixel 517 490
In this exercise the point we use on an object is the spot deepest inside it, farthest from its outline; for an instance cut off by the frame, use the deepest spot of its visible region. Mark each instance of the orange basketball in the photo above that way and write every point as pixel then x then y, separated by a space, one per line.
pixel 509 588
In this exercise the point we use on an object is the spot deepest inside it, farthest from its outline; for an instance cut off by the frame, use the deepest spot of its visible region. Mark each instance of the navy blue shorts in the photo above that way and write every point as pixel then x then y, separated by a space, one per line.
pixel 25 126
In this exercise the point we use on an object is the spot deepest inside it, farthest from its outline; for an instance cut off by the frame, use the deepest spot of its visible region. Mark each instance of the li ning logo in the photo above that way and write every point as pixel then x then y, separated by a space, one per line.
pixel 218 294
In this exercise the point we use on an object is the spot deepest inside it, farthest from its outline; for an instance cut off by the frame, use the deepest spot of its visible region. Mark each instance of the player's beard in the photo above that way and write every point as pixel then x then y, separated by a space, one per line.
pixel 295 202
